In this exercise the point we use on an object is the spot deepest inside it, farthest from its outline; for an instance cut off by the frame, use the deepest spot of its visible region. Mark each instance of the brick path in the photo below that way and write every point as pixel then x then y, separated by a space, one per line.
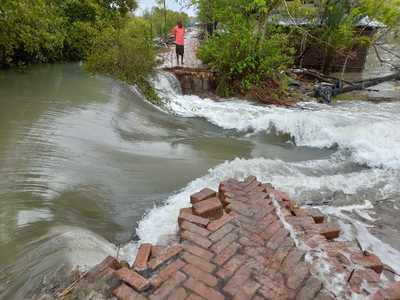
pixel 250 241
pixel 190 58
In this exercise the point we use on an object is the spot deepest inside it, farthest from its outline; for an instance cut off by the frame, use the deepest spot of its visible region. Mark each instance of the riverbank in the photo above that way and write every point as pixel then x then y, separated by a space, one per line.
pixel 248 240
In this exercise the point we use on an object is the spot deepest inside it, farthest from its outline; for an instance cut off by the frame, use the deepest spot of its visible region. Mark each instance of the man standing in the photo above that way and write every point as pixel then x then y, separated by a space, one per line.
pixel 179 32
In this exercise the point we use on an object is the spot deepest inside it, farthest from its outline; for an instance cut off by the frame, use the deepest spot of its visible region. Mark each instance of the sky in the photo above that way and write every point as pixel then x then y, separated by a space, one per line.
pixel 171 4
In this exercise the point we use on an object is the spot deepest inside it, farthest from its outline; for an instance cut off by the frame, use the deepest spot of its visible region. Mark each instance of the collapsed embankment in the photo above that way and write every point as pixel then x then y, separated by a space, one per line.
pixel 246 240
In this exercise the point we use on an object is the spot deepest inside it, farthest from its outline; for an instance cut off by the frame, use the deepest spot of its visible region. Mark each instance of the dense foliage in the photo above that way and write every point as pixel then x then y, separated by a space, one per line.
pixel 246 49
pixel 157 17
pixel 127 53
pixel 35 31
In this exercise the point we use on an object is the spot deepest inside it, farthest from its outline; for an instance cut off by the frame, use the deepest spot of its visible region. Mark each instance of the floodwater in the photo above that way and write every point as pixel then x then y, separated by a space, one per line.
pixel 88 165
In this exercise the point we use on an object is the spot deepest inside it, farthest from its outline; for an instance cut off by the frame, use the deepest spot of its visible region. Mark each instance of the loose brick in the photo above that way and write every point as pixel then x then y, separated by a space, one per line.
pixel 201 289
pixel 166 273
pixel 202 195
pixel 310 289
pixel 198 251
pixel 226 254
pixel 142 257
pixel 210 208
pixel 168 286
pixel 165 256
pixel 108 262
pixel 329 231
pixel 133 279
pixel 125 292
pixel 225 242
pixel 196 238
pixel 369 260
pixel 392 292
pixel 194 228
pixel 200 275
pixel 178 294
pixel 220 233
pixel 193 219
pixel 199 262
pixel 217 224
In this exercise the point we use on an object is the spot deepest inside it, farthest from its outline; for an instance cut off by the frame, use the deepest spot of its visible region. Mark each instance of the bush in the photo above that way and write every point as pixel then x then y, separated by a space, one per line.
pixel 127 54
pixel 240 54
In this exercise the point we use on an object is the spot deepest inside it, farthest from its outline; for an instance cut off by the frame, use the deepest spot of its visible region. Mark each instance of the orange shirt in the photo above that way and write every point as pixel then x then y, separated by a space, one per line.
pixel 179 35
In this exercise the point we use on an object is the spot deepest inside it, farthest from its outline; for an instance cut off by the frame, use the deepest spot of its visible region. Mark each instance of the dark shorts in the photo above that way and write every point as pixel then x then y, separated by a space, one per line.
pixel 180 49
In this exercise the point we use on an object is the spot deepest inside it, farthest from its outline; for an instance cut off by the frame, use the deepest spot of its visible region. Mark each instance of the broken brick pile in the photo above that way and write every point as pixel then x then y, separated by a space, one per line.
pixel 250 241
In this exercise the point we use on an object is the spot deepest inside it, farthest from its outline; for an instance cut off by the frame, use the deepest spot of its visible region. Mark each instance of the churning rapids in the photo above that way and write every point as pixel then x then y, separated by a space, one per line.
pixel 86 162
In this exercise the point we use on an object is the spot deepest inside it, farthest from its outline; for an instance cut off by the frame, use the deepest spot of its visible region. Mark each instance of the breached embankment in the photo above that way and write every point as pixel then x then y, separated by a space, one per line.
pixel 248 240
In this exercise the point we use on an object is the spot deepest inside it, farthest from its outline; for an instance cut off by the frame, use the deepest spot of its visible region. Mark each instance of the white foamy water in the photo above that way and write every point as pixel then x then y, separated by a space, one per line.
pixel 368 131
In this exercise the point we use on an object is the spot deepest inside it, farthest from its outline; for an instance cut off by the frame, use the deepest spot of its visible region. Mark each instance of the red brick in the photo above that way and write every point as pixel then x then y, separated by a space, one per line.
pixel 298 275
pixel 369 260
pixel 186 210
pixel 107 272
pixel 202 195
pixel 278 238
pixel 231 266
pixel 194 297
pixel 166 273
pixel 196 238
pixel 168 286
pixel 310 289
pixel 292 260
pixel 329 231
pixel 240 208
pixel 193 219
pixel 124 292
pixel 210 208
pixel 199 262
pixel 133 279
pixel 249 179
pixel 271 230
pixel 178 294
pixel 142 257
pixel 198 251
pixel 316 214
pixel 156 250
pixel 272 288
pixel 217 224
pixel 108 262
pixel 220 233
pixel 165 256
pixel 194 228
pixel 240 277
pixel 225 242
pixel 200 275
pixel 201 289
pixel 226 254
pixel 247 291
